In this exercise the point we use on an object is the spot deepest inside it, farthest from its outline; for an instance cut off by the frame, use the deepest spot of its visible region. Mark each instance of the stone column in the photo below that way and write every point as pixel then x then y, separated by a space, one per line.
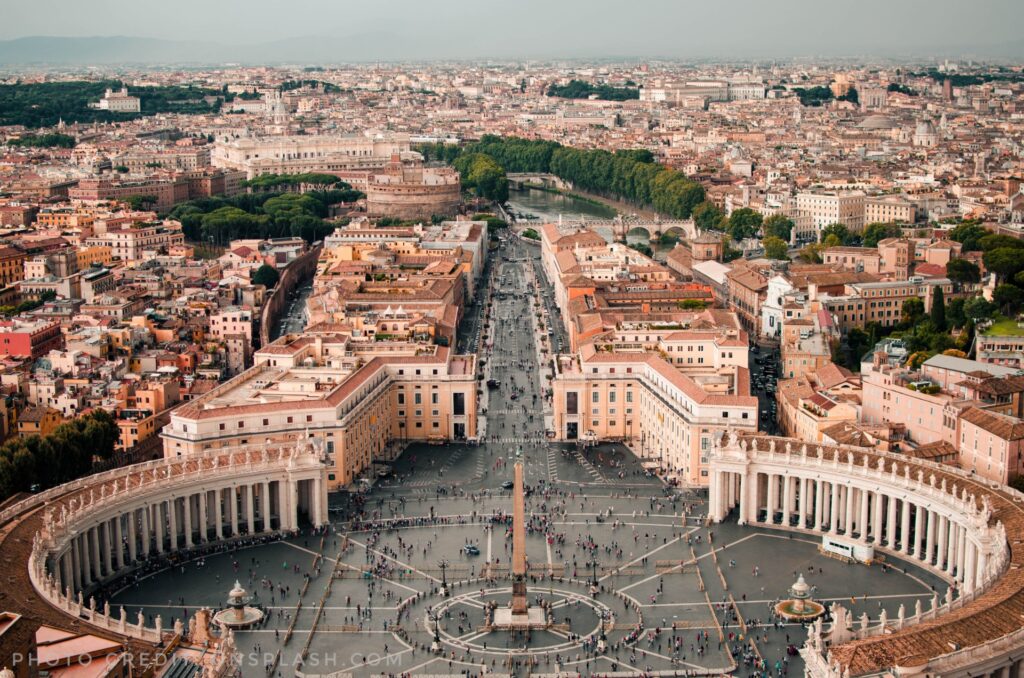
pixel 158 524
pixel 961 552
pixel 186 503
pixel 969 564
pixel 833 509
pixel 890 523
pixel 806 506
pixel 919 532
pixel 929 547
pixel 133 517
pixel 106 538
pixel 94 549
pixel 787 498
pixel 863 528
pixel 953 534
pixel 172 513
pixel 204 517
pixel 76 563
pixel 145 530
pixel 981 564
pixel 773 499
pixel 904 527
pixel 940 547
pixel 744 499
pixel 250 518
pixel 119 543
pixel 848 504
pixel 65 570
pixel 819 496
pixel 218 511
pixel 233 509
pixel 265 504
pixel 876 520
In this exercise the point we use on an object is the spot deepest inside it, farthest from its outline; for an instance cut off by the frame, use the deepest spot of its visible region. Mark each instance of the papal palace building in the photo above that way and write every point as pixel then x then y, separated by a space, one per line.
pixel 353 397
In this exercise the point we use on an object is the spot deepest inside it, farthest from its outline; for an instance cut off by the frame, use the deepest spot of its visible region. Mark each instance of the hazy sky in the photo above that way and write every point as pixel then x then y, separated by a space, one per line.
pixel 548 27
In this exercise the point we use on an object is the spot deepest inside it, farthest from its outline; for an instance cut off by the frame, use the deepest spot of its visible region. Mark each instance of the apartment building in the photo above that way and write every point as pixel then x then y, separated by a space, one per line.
pixel 991 445
pixel 816 210
pixel 889 209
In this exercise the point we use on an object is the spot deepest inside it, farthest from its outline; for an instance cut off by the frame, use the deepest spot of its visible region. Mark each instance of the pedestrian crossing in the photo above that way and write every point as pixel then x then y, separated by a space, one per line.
pixel 588 467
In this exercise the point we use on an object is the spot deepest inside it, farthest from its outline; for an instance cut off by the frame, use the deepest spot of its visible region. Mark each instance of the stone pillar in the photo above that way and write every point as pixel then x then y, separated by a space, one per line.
pixel 94 550
pixel 877 523
pixel 981 564
pixel 890 523
pixel 76 563
pixel 265 504
pixel 929 547
pixel 233 509
pixel 250 518
pixel 806 506
pixel 848 505
pixel 744 498
pixel 819 496
pixel 953 531
pixel 773 499
pixel 145 530
pixel 218 511
pixel 940 546
pixel 106 538
pixel 969 565
pixel 863 528
pixel 172 513
pixel 119 543
pixel 186 503
pixel 158 524
pixel 133 517
pixel 204 517
pixel 904 527
pixel 833 509
pixel 961 552
pixel 919 532
pixel 787 498
pixel 65 570
pixel 714 496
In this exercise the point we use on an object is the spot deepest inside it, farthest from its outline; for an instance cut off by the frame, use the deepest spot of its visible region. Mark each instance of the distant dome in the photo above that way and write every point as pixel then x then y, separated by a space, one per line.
pixel 877 122
pixel 925 127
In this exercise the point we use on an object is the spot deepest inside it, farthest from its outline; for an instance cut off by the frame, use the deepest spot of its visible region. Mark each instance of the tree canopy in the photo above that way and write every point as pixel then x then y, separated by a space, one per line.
pixel 580 89
pixel 266 275
pixel 775 248
pixel 877 231
pixel 54 140
pixel 480 172
pixel 778 225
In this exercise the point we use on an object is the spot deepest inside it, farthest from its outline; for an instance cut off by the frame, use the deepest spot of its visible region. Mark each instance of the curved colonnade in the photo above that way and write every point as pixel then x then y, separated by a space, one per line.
pixel 965 530
pixel 97 529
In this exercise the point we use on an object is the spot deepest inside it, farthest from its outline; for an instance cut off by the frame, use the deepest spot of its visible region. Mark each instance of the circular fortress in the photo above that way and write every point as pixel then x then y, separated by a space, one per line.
pixel 408 190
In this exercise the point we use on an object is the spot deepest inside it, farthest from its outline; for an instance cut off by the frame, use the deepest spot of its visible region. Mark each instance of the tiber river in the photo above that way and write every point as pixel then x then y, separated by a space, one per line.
pixel 547 207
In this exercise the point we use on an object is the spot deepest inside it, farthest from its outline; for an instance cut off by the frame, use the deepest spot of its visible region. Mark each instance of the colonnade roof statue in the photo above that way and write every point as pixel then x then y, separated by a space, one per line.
pixel 964 529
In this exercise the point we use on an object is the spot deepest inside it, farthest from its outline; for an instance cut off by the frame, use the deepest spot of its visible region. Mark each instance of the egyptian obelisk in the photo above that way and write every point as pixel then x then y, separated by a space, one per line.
pixel 519 603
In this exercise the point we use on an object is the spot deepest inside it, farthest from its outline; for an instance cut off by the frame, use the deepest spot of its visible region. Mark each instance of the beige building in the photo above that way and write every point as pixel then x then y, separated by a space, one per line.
pixel 307 153
pixel 889 208
pixel 816 210
pixel 356 399
pixel 669 417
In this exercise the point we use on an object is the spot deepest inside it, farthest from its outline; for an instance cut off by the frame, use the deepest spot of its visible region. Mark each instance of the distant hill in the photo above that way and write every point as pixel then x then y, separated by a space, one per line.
pixel 422 45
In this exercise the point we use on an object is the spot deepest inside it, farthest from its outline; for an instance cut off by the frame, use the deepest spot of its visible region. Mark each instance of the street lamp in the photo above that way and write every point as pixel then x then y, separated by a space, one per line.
pixel 443 564
pixel 435 645
pixel 594 586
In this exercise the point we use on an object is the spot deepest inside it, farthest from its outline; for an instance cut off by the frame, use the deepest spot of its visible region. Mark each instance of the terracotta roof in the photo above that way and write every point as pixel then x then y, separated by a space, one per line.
pixel 1000 425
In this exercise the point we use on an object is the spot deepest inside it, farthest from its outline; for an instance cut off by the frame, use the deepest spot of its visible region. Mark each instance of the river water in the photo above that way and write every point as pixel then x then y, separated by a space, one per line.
pixel 548 206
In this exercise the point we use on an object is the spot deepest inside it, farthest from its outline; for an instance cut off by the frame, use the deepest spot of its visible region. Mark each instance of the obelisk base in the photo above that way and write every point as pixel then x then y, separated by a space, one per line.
pixel 519 603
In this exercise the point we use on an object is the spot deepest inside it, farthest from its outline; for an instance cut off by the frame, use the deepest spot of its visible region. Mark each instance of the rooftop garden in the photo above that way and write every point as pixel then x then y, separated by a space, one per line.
pixel 1005 327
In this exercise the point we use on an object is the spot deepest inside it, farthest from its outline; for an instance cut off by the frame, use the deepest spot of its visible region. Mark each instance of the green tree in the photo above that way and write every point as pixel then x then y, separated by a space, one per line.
pixel 778 225
pixel 977 308
pixel 708 217
pixel 743 223
pixel 841 232
pixel 963 271
pixel 969 234
pixel 878 230
pixel 266 275
pixel 995 241
pixel 811 253
pixel 1008 298
pixel 775 248
pixel 955 313
pixel 1005 262
pixel 531 234
pixel 831 240
pixel 913 309
pixel 692 304
pixel 938 313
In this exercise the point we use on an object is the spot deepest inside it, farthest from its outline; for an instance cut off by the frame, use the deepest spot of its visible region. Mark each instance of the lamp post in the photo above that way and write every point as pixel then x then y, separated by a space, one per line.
pixel 435 645
pixel 594 586
pixel 443 564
